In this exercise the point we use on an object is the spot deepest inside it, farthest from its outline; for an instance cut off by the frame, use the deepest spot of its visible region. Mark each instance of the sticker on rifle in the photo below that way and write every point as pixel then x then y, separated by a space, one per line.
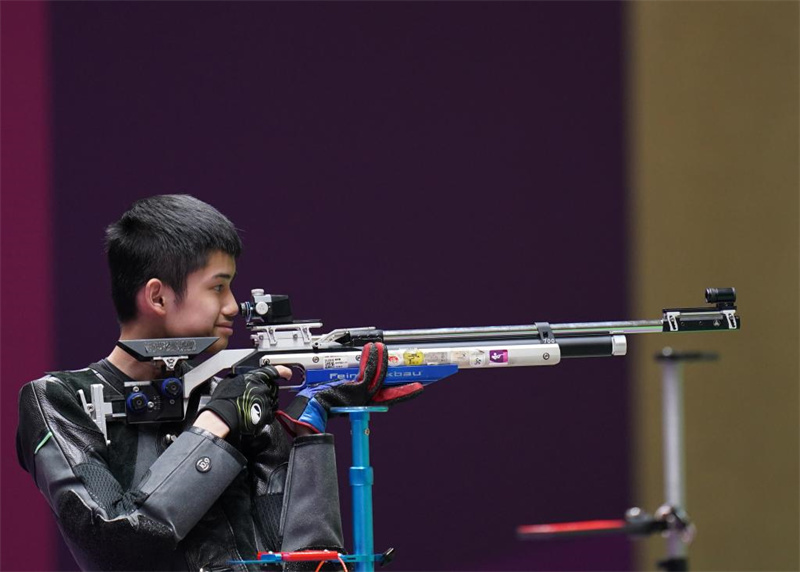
pixel 334 362
pixel 413 357
pixel 498 356
pixel 434 358
pixel 460 357
pixel 477 358
pixel 394 359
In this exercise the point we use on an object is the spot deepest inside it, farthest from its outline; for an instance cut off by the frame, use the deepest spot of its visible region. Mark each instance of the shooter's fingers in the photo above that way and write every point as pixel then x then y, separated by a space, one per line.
pixel 284 371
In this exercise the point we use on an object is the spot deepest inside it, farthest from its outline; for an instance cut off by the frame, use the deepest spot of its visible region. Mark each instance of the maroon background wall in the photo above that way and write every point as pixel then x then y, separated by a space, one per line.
pixel 26 276
pixel 397 165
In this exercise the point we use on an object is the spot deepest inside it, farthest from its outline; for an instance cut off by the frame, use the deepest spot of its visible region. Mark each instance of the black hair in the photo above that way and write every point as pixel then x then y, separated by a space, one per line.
pixel 166 237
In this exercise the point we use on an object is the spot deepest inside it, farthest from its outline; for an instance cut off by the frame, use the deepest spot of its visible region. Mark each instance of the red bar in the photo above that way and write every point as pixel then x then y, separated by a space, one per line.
pixel 581 526
pixel 304 556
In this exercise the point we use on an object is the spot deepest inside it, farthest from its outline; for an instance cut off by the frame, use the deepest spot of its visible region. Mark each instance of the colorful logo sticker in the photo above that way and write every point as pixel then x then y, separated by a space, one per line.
pixel 413 357
pixel 498 356
pixel 394 359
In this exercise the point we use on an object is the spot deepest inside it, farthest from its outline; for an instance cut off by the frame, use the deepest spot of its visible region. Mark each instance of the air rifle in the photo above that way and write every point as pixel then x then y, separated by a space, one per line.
pixel 422 355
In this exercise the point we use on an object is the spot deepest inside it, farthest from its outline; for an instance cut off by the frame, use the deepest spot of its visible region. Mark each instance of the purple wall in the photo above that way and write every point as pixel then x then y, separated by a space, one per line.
pixel 397 165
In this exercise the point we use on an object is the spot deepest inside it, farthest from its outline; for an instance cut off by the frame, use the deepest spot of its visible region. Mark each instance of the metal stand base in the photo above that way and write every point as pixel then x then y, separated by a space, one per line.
pixel 674 565
pixel 670 520
pixel 361 480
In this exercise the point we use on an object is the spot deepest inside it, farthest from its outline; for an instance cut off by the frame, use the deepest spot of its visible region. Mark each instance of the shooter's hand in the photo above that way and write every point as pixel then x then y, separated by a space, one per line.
pixel 312 406
pixel 245 402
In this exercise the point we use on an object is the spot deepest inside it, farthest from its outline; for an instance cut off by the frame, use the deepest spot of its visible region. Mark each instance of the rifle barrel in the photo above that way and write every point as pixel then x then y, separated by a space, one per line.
pixel 525 331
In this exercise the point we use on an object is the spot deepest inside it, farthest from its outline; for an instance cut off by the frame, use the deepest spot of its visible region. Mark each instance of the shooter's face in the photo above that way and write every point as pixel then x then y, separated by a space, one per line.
pixel 208 306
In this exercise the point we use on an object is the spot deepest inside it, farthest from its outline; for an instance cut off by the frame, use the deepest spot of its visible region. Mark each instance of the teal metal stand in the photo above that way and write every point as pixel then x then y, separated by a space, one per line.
pixel 361 479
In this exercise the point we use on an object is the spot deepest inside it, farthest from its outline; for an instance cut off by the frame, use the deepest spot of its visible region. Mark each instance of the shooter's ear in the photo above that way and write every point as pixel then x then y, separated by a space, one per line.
pixel 153 297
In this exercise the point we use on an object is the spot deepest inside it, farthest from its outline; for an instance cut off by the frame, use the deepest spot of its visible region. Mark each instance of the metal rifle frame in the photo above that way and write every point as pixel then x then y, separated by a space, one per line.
pixel 671 519
pixel 680 531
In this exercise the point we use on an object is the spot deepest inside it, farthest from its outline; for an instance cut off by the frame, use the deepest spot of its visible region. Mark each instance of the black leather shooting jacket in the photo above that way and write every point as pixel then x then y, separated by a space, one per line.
pixel 170 496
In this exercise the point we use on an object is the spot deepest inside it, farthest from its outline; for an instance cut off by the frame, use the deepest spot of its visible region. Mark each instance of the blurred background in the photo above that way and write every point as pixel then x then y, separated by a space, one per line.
pixel 425 164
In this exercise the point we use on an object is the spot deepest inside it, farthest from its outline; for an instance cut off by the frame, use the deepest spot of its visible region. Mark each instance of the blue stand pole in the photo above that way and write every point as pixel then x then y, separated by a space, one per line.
pixel 361 479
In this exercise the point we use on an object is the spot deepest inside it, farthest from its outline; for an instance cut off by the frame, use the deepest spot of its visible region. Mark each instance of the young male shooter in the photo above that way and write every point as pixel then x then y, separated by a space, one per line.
pixel 219 486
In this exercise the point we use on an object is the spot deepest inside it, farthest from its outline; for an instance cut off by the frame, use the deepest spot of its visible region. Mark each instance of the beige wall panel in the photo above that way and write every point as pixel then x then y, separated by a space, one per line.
pixel 714 129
